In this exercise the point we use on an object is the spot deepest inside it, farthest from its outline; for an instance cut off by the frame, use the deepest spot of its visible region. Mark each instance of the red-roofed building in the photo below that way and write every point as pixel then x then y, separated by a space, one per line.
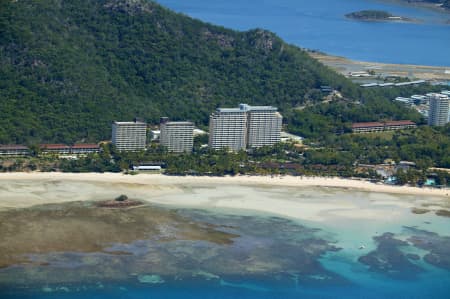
pixel 14 150
pixel 400 125
pixel 55 148
pixel 66 149
pixel 85 148
pixel 367 127
pixel 382 126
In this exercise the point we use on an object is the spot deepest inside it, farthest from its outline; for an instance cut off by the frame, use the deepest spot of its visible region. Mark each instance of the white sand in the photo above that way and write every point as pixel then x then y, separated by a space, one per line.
pixel 289 196
pixel 162 180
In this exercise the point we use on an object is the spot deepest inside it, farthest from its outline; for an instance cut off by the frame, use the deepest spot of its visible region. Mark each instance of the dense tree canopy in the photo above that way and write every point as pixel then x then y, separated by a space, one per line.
pixel 69 68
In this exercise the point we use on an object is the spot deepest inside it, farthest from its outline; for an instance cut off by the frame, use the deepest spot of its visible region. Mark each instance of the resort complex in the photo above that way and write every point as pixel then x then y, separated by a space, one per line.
pixel 212 149
pixel 434 106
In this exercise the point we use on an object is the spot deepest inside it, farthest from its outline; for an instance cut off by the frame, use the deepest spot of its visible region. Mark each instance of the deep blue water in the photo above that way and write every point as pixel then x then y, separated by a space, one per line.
pixel 241 289
pixel 321 25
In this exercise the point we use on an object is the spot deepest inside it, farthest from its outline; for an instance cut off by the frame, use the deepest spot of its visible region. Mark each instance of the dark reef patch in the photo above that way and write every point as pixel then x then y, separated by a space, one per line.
pixel 388 259
pixel 444 213
pixel 437 246
pixel 419 210
pixel 68 243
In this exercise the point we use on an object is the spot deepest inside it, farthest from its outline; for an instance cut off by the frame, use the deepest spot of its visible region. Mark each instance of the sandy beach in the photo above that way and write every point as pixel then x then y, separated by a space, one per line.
pixel 163 180
pixel 297 197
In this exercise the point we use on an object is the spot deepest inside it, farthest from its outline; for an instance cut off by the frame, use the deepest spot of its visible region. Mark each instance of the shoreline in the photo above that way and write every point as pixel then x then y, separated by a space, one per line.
pixel 241 180
pixel 301 198
pixel 369 15
pixel 345 65
pixel 419 4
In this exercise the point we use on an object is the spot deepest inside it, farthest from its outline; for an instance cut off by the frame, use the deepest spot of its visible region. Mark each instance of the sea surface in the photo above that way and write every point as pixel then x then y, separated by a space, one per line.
pixel 353 245
pixel 321 25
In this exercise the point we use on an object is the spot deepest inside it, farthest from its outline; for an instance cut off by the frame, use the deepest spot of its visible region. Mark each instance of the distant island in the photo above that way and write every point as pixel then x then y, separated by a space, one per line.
pixel 377 15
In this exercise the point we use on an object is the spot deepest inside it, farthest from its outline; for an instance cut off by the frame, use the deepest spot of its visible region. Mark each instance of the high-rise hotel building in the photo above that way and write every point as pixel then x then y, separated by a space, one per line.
pixel 177 136
pixel 439 108
pixel 227 128
pixel 129 136
pixel 264 126
pixel 246 126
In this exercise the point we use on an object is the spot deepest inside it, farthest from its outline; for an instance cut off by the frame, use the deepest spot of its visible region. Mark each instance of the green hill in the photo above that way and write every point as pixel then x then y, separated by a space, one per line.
pixel 69 68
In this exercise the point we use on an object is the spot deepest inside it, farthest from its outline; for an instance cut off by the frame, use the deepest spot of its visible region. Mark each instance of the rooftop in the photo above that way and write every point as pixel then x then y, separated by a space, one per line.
pixel 86 145
pixel 245 108
pixel 129 122
pixel 438 95
pixel 367 124
pixel 399 123
pixel 54 146
pixel 13 147
pixel 418 96
pixel 178 123
pixel 382 124
pixel 230 110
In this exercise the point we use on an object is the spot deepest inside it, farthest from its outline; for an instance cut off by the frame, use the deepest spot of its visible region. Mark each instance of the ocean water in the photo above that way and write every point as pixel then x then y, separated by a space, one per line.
pixel 321 25
pixel 354 245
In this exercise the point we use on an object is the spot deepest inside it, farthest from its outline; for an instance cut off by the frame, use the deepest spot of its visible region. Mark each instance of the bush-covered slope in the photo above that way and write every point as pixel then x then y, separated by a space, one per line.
pixel 69 68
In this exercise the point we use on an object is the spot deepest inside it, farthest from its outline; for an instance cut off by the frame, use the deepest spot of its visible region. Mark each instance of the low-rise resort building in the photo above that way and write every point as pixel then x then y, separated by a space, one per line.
pixel 60 149
pixel 382 126
pixel 14 150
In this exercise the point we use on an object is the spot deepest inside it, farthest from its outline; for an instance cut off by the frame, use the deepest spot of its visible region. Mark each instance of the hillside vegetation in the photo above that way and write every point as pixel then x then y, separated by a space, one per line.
pixel 69 68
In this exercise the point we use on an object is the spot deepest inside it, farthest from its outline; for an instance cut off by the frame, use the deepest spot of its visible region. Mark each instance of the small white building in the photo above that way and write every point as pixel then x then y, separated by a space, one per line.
pixel 288 137
pixel 155 135
pixel 147 168
pixel 406 101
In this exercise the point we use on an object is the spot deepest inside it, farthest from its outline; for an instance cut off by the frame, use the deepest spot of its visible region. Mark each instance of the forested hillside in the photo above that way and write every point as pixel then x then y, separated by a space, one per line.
pixel 69 68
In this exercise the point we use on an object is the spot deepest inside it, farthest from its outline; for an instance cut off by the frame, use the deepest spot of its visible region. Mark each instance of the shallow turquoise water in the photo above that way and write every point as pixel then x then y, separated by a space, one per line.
pixel 321 25
pixel 302 270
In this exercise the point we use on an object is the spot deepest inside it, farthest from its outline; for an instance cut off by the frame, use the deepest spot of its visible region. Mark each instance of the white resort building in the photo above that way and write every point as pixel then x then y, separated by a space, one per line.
pixel 129 136
pixel 439 109
pixel 177 136
pixel 244 127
